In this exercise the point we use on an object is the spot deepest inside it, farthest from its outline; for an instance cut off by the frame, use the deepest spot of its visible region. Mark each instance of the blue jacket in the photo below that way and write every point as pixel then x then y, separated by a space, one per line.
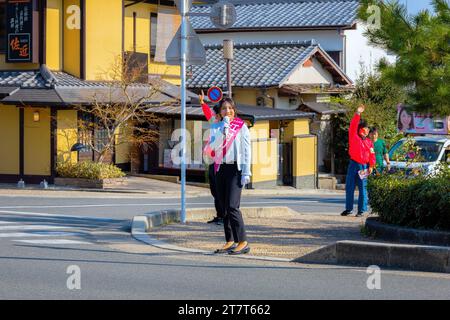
pixel 241 151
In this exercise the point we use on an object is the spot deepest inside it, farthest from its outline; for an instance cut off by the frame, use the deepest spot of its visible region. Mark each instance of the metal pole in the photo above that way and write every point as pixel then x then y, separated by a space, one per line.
pixel 230 93
pixel 184 34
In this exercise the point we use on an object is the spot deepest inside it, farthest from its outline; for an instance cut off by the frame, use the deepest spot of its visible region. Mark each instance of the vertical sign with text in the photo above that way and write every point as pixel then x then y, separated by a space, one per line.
pixel 19 30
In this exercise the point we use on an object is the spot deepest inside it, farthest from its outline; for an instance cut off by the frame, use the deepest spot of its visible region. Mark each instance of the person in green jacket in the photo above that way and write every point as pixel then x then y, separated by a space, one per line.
pixel 381 151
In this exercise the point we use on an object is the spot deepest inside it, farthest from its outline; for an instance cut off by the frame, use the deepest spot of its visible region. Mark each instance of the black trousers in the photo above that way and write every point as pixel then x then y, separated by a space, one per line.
pixel 213 188
pixel 229 191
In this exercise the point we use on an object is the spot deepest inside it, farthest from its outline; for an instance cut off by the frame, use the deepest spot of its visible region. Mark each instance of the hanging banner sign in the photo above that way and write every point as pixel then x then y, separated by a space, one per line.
pixel 19 30
pixel 412 122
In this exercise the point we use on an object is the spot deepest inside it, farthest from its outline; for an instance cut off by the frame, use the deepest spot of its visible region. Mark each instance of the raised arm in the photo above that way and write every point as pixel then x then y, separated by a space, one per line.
pixel 353 130
pixel 205 108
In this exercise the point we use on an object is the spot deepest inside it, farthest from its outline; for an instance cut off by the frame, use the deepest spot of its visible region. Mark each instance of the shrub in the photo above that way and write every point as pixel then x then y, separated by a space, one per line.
pixel 417 202
pixel 89 170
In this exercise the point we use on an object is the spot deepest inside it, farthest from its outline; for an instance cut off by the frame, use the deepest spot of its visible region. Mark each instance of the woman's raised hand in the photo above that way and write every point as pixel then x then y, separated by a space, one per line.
pixel 361 108
pixel 201 97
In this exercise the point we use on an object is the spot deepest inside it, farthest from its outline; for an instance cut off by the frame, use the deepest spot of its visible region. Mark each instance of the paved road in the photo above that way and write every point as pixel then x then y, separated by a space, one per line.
pixel 40 238
pixel 126 208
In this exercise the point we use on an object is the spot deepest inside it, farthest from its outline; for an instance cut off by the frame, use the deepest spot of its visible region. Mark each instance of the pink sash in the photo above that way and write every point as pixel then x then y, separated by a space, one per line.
pixel 235 126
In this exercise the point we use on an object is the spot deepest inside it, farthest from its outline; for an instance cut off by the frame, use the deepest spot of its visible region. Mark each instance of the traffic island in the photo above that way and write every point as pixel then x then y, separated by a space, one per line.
pixel 280 234
pixel 275 232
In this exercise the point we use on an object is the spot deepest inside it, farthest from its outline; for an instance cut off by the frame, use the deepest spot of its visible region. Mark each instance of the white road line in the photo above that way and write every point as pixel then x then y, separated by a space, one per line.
pixel 31 227
pixel 68 217
pixel 37 234
pixel 5 222
pixel 53 241
pixel 149 204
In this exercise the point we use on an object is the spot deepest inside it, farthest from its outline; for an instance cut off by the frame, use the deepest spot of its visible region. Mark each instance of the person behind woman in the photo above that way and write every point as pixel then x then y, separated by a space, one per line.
pixel 232 158
pixel 214 120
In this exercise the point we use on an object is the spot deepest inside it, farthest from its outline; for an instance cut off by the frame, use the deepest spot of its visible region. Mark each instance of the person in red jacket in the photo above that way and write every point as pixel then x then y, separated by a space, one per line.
pixel 362 162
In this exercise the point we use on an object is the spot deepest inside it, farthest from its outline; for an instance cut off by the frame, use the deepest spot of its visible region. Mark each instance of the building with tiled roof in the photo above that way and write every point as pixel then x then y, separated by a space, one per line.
pixel 263 65
pixel 332 23
pixel 284 14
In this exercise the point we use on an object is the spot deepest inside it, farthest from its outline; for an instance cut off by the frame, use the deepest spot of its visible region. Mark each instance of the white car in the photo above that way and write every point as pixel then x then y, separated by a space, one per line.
pixel 433 150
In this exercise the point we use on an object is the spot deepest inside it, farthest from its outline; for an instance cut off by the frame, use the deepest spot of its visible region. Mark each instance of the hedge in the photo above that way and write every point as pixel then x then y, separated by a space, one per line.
pixel 418 202
pixel 88 170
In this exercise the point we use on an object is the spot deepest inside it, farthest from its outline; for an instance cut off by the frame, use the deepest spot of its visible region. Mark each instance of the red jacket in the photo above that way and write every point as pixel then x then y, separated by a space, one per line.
pixel 360 150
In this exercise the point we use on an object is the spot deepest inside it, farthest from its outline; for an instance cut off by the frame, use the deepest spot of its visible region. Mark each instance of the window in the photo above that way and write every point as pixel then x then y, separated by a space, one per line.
pixel 2 25
pixel 153 31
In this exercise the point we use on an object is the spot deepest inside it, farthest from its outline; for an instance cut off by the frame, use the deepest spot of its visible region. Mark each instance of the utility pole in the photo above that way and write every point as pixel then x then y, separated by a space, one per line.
pixel 184 37
pixel 228 54
pixel 187 49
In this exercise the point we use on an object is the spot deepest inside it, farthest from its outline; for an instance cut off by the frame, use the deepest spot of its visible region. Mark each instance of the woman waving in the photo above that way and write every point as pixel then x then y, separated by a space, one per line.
pixel 232 159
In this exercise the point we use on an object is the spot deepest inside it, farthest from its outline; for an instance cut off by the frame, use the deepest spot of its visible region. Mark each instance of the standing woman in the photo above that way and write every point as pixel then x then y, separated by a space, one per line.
pixel 232 166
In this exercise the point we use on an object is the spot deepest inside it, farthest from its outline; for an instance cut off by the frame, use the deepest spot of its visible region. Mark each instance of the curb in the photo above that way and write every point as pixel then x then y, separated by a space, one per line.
pixel 396 233
pixel 352 253
pixel 360 253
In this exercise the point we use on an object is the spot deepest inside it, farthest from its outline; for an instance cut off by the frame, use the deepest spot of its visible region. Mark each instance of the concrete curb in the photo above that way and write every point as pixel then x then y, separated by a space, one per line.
pixel 360 253
pixel 353 253
pixel 388 232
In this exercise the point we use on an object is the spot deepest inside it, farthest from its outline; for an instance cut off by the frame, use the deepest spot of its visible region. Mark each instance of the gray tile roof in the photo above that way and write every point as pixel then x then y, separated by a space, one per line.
pixel 275 14
pixel 252 113
pixel 59 88
pixel 254 65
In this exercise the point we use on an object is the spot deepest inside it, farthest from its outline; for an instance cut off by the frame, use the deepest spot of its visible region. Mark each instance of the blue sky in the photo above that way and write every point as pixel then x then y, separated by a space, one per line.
pixel 415 6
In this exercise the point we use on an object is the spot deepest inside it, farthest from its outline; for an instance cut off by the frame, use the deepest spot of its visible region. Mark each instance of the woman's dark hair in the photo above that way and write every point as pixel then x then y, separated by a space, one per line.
pixel 216 109
pixel 231 102
pixel 399 122
pixel 373 130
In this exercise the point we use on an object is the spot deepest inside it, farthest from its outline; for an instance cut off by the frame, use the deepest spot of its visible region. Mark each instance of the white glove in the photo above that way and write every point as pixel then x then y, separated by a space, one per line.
pixel 245 180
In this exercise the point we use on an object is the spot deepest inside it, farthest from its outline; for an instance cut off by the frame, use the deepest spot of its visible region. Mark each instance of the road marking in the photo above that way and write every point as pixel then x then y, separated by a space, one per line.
pixel 68 217
pixel 52 241
pixel 5 222
pixel 37 234
pixel 149 204
pixel 31 227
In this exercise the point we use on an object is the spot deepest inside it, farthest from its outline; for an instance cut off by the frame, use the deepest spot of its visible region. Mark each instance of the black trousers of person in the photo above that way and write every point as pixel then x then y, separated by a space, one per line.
pixel 213 188
pixel 229 190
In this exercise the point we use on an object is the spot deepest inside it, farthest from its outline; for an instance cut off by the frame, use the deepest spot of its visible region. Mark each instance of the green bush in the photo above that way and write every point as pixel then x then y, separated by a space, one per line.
pixel 417 202
pixel 89 170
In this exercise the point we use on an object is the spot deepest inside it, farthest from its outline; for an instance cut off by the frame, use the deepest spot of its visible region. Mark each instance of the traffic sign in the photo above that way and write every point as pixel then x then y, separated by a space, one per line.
pixel 195 52
pixel 223 15
pixel 215 94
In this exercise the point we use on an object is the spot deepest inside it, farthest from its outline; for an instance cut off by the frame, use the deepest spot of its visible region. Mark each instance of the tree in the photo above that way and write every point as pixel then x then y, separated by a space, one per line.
pixel 421 45
pixel 118 113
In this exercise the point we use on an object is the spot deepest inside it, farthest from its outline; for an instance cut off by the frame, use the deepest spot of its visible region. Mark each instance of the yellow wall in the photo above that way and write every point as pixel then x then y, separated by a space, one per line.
pixel 143 11
pixel 295 128
pixel 304 161
pixel 72 41
pixel 264 160
pixel 260 130
pixel 67 135
pixel 9 142
pixel 54 34
pixel 123 148
pixel 245 96
pixel 103 37
pixel 264 153
pixel 16 66
pixel 37 142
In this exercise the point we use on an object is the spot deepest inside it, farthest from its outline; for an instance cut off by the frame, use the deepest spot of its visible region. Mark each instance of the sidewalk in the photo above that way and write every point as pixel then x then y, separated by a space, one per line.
pixel 280 237
pixel 145 187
